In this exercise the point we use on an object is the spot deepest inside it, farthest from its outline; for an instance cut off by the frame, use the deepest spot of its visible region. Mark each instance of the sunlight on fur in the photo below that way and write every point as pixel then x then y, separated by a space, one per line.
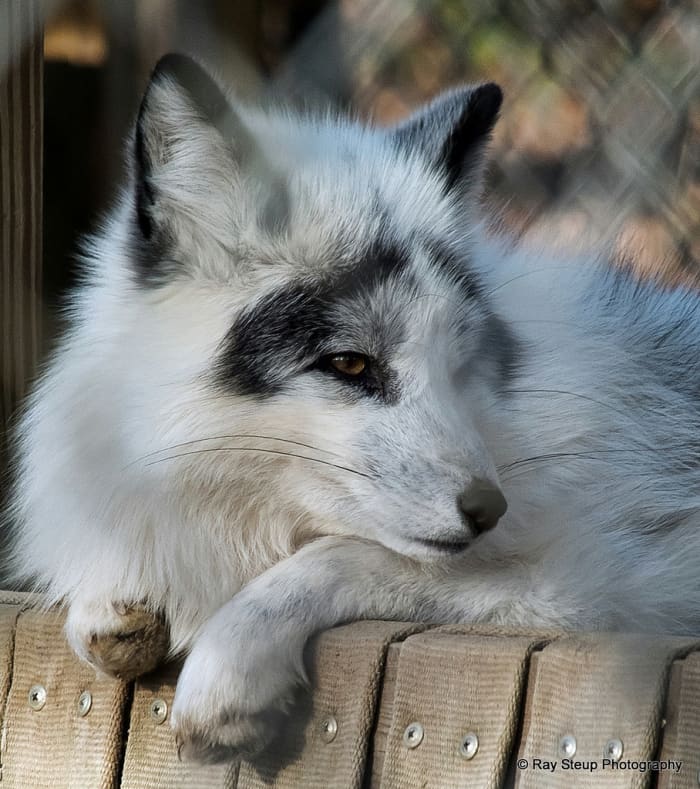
pixel 516 443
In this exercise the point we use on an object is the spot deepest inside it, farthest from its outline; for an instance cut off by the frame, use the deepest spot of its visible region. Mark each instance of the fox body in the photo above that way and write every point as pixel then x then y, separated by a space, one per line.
pixel 301 384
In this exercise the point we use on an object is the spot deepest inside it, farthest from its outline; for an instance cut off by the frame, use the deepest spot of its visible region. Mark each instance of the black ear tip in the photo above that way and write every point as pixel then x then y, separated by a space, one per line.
pixel 195 81
pixel 181 68
pixel 485 102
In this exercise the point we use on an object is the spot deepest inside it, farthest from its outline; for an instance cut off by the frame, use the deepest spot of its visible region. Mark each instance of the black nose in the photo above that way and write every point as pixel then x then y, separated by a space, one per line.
pixel 482 504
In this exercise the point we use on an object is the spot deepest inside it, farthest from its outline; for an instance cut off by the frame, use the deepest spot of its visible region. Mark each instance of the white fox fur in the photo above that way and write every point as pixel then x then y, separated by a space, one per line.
pixel 592 433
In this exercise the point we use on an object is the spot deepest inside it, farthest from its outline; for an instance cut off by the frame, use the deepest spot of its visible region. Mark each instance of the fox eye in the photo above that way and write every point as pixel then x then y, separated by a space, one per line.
pixel 348 363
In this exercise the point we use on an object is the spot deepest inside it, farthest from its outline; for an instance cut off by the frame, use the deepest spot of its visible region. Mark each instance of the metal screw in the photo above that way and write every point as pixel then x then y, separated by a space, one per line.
pixel 84 703
pixel 469 746
pixel 613 750
pixel 567 745
pixel 159 710
pixel 37 697
pixel 329 729
pixel 413 736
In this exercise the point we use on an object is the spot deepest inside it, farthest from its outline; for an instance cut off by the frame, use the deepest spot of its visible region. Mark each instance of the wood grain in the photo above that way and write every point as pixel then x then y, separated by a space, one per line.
pixel 21 98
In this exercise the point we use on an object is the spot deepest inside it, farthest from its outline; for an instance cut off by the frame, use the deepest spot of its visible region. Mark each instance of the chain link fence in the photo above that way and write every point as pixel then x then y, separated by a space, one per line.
pixel 600 132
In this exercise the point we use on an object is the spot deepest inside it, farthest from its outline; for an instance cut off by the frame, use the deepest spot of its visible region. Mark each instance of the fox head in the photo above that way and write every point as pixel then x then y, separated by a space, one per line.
pixel 295 318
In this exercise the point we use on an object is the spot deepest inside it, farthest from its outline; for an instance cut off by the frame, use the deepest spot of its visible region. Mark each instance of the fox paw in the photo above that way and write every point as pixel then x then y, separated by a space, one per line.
pixel 125 641
pixel 232 700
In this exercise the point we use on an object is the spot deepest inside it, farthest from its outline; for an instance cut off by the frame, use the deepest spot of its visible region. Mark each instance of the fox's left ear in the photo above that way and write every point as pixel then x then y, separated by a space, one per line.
pixel 453 131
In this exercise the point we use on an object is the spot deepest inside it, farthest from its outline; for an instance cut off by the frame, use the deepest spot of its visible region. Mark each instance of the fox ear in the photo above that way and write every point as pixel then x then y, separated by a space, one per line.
pixel 453 131
pixel 188 144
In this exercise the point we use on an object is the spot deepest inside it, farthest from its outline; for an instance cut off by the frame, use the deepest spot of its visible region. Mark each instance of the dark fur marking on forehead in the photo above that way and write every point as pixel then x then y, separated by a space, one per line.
pixel 292 326
pixel 499 346
pixel 456 269
pixel 380 264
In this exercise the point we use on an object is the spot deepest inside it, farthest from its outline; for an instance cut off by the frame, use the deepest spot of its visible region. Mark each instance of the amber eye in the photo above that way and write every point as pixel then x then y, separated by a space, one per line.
pixel 348 363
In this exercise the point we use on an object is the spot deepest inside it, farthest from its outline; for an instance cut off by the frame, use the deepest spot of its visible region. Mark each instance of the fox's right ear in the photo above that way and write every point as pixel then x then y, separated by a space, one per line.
pixel 189 148
pixel 175 127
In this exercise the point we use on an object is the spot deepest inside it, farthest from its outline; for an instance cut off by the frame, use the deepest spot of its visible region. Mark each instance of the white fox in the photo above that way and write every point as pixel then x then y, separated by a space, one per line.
pixel 302 387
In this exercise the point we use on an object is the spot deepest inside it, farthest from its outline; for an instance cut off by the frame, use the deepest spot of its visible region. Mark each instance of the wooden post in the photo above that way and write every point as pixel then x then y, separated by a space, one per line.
pixel 21 98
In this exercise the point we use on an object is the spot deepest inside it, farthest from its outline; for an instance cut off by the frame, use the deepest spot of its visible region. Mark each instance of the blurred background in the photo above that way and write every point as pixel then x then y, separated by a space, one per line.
pixel 600 133
pixel 599 137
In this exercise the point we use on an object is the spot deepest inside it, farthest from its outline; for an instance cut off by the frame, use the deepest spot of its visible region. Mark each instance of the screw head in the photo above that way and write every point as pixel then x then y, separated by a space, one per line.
pixel 329 729
pixel 37 697
pixel 413 735
pixel 567 745
pixel 613 750
pixel 84 703
pixel 469 746
pixel 159 710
